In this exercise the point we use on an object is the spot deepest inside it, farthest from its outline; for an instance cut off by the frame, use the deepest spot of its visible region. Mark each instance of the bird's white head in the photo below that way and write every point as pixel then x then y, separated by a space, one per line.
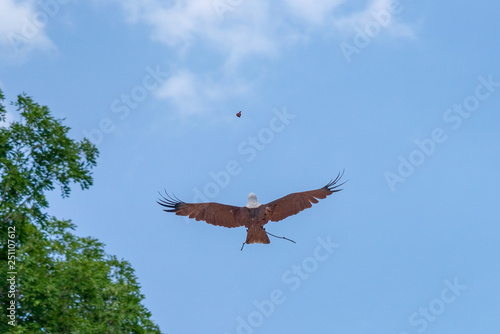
pixel 252 201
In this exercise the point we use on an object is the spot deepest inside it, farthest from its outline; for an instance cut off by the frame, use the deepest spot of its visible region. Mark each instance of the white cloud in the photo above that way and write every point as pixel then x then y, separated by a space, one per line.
pixel 22 29
pixel 241 28
pixel 179 24
pixel 237 32
pixel 193 94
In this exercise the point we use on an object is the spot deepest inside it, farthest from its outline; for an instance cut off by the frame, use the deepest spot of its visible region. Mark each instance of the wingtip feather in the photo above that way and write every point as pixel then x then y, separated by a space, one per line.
pixel 170 202
pixel 332 186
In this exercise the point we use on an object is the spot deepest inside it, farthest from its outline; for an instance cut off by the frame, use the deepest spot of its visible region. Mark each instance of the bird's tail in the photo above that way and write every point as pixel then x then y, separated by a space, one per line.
pixel 257 235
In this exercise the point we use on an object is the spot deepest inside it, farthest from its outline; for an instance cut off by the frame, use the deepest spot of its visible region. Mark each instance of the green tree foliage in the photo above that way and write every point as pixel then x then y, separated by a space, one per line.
pixel 64 283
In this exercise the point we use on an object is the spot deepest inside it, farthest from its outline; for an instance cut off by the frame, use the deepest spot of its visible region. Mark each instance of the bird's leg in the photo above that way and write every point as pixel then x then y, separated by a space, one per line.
pixel 280 237
pixel 243 244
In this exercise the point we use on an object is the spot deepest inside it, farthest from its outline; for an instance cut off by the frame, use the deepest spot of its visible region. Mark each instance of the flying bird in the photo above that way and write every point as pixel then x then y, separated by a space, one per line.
pixel 253 215
pixel 238 114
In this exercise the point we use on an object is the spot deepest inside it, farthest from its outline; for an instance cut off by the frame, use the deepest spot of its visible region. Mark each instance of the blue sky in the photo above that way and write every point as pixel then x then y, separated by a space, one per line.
pixel 404 95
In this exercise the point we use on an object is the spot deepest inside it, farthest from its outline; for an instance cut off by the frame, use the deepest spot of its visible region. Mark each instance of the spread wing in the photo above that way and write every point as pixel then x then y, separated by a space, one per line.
pixel 212 213
pixel 294 203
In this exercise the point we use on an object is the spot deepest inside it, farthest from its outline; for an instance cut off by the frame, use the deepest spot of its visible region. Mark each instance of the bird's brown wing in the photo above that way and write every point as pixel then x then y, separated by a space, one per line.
pixel 212 213
pixel 292 204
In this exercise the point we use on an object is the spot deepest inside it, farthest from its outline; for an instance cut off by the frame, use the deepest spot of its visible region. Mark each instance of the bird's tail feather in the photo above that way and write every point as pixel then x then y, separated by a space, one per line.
pixel 257 235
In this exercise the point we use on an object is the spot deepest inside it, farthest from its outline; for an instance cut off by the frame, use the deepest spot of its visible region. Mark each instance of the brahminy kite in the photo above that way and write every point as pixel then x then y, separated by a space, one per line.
pixel 253 215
